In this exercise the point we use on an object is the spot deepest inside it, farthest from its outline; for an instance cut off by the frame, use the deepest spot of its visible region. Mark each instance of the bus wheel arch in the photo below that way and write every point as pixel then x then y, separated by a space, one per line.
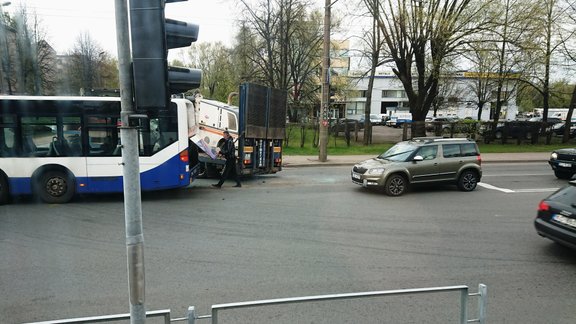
pixel 54 184
pixel 4 188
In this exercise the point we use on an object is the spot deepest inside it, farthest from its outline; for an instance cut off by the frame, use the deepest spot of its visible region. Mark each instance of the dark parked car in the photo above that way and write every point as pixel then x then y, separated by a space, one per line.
pixel 556 218
pixel 341 124
pixel 523 129
pixel 563 162
pixel 558 129
pixel 438 122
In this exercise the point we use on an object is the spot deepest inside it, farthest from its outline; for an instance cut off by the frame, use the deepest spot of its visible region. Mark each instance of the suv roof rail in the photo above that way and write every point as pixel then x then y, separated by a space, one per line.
pixel 440 139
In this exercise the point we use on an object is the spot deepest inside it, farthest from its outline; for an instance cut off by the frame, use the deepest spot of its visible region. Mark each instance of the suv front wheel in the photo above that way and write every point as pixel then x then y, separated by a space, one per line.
pixel 395 185
pixel 468 180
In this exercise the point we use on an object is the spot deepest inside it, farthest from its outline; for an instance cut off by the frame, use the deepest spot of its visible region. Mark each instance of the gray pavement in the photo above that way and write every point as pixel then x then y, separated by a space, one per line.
pixel 335 160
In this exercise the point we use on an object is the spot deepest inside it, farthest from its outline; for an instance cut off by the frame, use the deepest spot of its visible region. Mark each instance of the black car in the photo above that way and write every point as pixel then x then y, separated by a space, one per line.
pixel 563 162
pixel 340 125
pixel 558 129
pixel 523 129
pixel 556 218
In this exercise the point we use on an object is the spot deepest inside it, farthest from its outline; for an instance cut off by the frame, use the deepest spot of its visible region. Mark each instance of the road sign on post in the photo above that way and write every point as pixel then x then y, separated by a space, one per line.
pixel 152 36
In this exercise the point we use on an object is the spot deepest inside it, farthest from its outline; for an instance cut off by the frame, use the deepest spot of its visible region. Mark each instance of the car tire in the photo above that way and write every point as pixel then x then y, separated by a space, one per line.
pixel 395 185
pixel 55 187
pixel 468 180
pixel 498 135
pixel 563 175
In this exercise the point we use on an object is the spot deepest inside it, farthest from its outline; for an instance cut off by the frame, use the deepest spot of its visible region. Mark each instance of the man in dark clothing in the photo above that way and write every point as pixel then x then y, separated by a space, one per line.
pixel 229 152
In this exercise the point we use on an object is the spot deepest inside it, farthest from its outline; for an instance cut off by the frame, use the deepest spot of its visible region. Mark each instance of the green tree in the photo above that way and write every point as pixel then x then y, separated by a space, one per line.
pixel 217 72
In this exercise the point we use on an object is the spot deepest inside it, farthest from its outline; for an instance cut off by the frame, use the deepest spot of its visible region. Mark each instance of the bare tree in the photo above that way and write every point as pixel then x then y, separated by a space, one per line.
pixel 419 36
pixel 280 44
pixel 83 65
pixel 569 53
pixel 552 18
pixel 375 46
pixel 35 58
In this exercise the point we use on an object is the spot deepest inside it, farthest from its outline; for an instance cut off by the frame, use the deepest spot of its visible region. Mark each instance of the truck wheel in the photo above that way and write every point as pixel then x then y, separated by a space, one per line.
pixel 55 187
pixel 4 190
pixel 468 180
pixel 395 185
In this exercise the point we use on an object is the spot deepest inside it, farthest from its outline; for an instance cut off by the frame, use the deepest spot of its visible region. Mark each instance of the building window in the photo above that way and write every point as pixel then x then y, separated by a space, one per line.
pixel 393 94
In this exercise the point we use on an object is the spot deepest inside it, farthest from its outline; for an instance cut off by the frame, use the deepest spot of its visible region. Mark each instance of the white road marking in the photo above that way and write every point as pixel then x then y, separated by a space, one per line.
pixel 537 190
pixel 489 186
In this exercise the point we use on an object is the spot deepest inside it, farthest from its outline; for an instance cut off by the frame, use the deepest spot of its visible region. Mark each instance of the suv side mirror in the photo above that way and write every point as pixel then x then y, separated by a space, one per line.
pixel 418 158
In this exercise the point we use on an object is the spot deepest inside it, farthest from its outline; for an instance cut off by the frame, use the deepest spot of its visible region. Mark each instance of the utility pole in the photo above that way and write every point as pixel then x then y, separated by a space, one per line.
pixel 325 100
pixel 131 172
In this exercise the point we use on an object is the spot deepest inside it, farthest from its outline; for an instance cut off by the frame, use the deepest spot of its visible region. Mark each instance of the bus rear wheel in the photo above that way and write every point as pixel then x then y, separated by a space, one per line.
pixel 55 187
pixel 4 190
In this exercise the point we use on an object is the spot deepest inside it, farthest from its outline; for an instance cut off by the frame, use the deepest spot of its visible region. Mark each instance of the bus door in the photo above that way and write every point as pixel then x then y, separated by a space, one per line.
pixel 104 157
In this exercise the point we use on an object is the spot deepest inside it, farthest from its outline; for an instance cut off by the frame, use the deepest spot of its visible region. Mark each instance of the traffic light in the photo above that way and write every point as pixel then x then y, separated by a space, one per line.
pixel 152 36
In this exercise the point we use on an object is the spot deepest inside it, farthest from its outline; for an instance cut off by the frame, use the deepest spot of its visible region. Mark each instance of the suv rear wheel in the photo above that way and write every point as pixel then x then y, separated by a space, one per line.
pixel 468 180
pixel 395 185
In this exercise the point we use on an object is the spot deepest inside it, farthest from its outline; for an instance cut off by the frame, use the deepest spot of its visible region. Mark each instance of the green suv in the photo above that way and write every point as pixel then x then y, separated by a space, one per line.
pixel 422 160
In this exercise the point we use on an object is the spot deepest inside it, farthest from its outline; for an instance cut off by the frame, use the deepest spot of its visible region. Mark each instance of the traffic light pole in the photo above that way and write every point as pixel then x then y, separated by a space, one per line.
pixel 131 172
pixel 325 99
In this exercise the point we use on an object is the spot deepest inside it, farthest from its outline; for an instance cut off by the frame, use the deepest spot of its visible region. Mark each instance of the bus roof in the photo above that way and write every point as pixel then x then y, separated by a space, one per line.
pixel 54 98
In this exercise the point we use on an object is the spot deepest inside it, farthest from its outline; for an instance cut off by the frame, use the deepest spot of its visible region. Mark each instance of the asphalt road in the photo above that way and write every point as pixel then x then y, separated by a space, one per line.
pixel 304 231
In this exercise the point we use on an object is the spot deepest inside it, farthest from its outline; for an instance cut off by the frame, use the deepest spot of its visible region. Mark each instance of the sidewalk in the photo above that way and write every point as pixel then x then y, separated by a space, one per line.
pixel 335 160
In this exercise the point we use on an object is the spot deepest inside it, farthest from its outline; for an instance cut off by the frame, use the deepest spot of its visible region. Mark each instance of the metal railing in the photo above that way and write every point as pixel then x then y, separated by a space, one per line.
pixel 191 316
pixel 482 290
pixel 165 313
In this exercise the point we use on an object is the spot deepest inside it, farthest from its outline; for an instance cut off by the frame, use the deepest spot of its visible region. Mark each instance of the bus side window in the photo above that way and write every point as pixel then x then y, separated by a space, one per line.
pixel 7 142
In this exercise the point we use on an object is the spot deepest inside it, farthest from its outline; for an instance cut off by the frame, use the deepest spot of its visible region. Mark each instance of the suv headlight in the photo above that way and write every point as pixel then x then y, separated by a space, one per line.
pixel 376 171
pixel 553 156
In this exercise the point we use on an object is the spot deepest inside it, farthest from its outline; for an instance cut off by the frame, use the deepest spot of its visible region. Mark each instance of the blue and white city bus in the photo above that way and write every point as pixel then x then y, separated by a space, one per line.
pixel 56 147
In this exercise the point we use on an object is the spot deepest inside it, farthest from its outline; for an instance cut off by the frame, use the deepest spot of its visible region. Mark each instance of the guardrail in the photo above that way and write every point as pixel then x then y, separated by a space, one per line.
pixel 191 317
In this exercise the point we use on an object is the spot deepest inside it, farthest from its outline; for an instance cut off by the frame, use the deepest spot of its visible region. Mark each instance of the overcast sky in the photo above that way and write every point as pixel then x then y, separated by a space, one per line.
pixel 64 20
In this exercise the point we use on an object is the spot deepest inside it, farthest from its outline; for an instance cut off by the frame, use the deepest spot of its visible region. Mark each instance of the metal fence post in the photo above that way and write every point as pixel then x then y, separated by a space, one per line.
pixel 464 306
pixel 482 290
pixel 191 315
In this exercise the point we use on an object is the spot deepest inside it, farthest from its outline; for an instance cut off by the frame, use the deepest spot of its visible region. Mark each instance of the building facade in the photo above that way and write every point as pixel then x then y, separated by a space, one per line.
pixel 457 97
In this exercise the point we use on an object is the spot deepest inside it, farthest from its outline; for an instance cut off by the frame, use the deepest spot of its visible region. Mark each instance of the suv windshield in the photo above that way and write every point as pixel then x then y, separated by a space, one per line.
pixel 398 152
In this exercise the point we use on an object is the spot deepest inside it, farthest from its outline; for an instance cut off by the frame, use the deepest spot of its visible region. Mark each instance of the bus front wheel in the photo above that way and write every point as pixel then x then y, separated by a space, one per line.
pixel 55 187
